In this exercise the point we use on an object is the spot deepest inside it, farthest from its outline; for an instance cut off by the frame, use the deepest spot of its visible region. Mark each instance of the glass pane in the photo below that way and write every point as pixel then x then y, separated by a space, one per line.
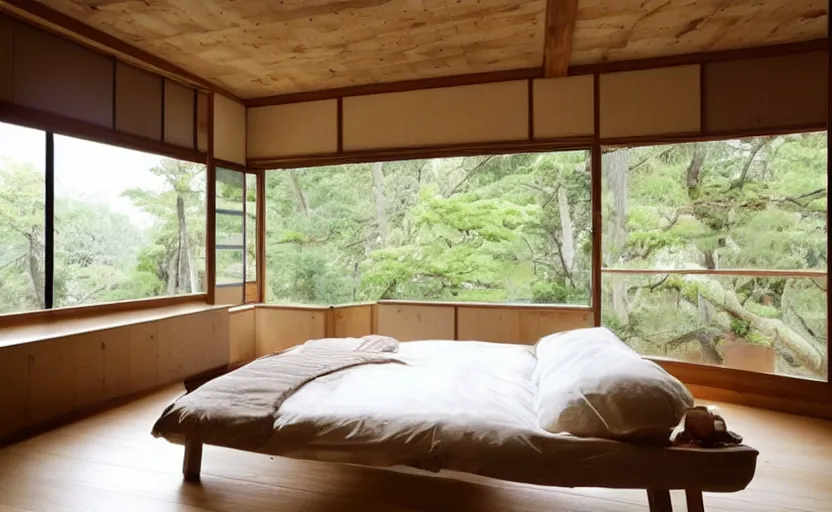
pixel 230 226
pixel 251 228
pixel 229 267
pixel 756 203
pixel 128 225
pixel 22 200
pixel 764 324
pixel 500 228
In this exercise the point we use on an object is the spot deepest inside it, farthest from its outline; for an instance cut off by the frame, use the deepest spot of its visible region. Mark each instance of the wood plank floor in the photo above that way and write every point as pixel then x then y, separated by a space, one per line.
pixel 109 462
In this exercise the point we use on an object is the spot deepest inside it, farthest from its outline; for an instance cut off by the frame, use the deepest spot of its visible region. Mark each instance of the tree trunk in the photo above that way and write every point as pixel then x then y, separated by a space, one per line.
pixel 34 273
pixel 693 176
pixel 378 193
pixel 298 191
pixel 568 240
pixel 693 287
pixel 617 167
pixel 184 258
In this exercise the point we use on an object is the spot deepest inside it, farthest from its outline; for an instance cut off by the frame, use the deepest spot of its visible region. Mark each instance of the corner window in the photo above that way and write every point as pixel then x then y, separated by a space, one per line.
pixel 715 252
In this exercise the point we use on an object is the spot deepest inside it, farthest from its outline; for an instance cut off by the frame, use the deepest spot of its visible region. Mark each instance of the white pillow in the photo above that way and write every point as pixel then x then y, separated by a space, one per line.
pixel 591 384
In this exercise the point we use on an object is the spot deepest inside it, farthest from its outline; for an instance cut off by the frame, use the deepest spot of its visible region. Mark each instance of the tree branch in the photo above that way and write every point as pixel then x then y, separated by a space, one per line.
pixel 468 175
pixel 744 173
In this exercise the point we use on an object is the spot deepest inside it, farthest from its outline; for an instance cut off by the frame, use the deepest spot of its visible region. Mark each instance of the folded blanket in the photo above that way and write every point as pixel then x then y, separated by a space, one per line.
pixel 241 406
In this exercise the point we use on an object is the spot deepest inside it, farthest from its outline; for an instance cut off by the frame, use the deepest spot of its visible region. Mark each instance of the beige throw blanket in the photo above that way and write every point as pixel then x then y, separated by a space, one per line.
pixel 240 407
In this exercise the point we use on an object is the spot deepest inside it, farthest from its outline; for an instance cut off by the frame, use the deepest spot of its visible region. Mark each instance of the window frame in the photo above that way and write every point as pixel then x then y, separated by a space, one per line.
pixel 46 123
pixel 693 368
pixel 243 247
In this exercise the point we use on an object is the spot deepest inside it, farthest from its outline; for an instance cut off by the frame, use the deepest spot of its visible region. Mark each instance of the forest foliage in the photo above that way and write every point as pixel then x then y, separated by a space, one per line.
pixel 101 255
pixel 517 229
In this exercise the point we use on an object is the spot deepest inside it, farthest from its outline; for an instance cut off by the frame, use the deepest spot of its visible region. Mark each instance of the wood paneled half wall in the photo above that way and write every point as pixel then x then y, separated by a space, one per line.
pixel 721 96
pixel 58 368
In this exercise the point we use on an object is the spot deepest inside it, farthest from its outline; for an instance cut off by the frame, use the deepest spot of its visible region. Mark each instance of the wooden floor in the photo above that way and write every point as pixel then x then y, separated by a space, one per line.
pixel 110 462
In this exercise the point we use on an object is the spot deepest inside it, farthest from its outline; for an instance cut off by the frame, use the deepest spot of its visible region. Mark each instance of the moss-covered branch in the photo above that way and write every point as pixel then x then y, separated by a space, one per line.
pixel 692 286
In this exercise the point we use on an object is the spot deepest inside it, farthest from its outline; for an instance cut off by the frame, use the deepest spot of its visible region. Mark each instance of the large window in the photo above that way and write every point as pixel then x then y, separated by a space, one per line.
pixel 128 225
pixel 715 252
pixel 125 224
pixel 22 214
pixel 502 228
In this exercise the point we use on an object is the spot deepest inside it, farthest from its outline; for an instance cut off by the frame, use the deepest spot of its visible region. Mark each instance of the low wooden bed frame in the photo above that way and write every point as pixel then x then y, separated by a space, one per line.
pixel 658 499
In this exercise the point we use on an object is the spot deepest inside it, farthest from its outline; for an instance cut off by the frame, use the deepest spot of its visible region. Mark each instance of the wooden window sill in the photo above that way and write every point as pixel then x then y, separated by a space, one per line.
pixel 40 328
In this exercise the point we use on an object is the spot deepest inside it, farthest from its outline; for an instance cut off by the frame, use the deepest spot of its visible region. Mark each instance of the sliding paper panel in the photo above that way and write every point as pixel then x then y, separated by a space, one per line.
pixel 229 130
pixel 450 115
pixel 57 76
pixel 650 102
pixel 564 107
pixel 293 129
pixel 202 100
pixel 138 102
pixel 772 92
pixel 180 103
pixel 6 58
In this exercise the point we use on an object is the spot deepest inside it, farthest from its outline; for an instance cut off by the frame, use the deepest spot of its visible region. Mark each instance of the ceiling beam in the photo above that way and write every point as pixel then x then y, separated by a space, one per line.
pixel 560 26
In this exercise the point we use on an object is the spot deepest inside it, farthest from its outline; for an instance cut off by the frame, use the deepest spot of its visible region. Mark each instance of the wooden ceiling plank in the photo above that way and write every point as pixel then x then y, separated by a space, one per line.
pixel 560 28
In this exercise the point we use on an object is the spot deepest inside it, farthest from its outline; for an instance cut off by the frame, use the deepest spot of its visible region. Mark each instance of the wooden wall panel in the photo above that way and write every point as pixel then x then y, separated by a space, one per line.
pixel 229 130
pixel 293 129
pixel 143 347
pixel 278 329
pixel 564 107
pixel 252 293
pixel 138 102
pixel 6 60
pixel 763 93
pixel 180 105
pixel 450 115
pixel 416 322
pixel 14 390
pixel 52 379
pixel 45 380
pixel 202 100
pixel 241 336
pixel 191 344
pixel 652 101
pixel 89 367
pixel 60 77
pixel 230 295
pixel 353 321
pixel 517 325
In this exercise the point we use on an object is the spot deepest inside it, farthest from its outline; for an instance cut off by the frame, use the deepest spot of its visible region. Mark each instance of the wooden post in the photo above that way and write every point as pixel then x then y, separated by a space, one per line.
pixel 694 500
pixel 192 463
pixel 210 208
pixel 659 500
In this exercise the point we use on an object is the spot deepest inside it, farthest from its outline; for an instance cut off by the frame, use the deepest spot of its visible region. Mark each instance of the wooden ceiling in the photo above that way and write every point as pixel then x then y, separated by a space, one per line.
pixel 259 48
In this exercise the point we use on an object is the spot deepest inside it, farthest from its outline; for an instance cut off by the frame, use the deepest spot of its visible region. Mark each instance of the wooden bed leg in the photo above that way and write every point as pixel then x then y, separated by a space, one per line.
pixel 694 499
pixel 192 463
pixel 659 500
